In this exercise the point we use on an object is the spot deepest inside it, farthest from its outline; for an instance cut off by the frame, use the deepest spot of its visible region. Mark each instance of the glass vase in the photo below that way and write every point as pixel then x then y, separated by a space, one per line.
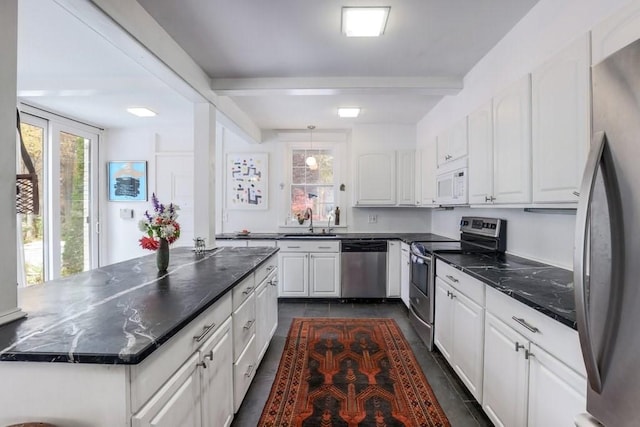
pixel 162 255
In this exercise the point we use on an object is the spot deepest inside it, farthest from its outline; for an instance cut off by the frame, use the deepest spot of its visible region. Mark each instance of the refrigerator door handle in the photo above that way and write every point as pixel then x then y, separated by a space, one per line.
pixel 579 258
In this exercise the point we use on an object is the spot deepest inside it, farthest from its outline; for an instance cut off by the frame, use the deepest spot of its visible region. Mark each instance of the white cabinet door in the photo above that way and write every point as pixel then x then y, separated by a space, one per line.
pixel 376 179
pixel 443 334
pixel 556 392
pixel 393 269
pixel 481 155
pixel 428 171
pixel 217 355
pixel 272 300
pixel 324 278
pixel 452 144
pixel 512 143
pixel 294 274
pixel 458 140
pixel 560 123
pixel 505 385
pixel 177 403
pixel 468 342
pixel 262 318
pixel 407 177
pixel 405 271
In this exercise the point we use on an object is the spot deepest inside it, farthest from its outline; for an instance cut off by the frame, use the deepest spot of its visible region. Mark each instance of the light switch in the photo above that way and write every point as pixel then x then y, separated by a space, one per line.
pixel 126 213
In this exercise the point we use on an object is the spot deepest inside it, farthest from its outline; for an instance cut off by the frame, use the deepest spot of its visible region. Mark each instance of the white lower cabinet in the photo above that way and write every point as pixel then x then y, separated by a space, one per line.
pixel 393 269
pixel 266 309
pixel 309 268
pixel 405 273
pixel 533 373
pixel 217 355
pixel 189 397
pixel 506 373
pixel 177 403
pixel 459 324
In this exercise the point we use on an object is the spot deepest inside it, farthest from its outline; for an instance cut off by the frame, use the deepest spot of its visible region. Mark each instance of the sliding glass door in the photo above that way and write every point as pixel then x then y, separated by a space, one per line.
pixel 63 239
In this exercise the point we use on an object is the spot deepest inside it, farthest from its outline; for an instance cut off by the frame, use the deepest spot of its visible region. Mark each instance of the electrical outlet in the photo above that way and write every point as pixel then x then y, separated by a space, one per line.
pixel 373 219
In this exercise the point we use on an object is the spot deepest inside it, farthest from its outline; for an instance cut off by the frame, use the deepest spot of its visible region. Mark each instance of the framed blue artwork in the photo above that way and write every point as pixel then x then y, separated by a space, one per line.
pixel 127 181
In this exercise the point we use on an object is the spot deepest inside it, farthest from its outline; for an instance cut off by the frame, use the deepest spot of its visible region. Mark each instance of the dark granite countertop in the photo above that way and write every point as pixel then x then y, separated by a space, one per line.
pixel 405 237
pixel 121 313
pixel 543 287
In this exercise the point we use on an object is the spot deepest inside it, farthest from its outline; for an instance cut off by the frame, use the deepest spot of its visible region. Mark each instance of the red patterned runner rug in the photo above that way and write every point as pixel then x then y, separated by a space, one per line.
pixel 348 373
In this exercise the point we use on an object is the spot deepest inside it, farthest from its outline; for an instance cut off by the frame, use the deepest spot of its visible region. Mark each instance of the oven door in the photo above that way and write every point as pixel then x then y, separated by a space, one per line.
pixel 420 270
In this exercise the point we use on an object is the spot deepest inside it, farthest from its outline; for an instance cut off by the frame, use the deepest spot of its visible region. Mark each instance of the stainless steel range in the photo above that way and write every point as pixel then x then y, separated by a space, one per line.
pixel 477 235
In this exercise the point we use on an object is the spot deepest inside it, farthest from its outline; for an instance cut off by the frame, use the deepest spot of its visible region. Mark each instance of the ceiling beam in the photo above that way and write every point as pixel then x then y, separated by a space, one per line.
pixel 438 86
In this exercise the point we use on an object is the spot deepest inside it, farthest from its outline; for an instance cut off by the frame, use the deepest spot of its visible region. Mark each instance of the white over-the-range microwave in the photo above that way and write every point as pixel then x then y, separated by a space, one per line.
pixel 452 183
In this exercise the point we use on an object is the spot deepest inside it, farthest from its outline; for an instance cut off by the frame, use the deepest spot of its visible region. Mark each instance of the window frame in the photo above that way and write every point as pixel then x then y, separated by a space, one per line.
pixel 336 151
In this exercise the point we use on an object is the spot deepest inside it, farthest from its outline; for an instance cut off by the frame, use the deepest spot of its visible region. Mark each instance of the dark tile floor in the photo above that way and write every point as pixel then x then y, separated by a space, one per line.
pixel 459 406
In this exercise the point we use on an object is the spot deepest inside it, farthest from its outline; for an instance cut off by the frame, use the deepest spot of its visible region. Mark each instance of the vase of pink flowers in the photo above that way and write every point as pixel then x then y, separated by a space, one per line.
pixel 161 230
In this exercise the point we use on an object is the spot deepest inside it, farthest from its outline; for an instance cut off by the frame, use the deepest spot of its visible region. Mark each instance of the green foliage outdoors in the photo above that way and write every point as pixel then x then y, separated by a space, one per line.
pixel 72 230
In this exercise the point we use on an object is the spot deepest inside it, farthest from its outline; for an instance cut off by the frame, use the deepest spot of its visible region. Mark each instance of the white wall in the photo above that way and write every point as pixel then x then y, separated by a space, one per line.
pixel 549 27
pixel 120 236
pixel 274 218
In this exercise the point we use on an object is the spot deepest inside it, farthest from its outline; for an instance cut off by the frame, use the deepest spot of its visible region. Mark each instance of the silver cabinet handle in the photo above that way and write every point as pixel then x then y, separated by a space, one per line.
pixel 203 364
pixel 273 282
pixel 324 247
pixel 293 247
pixel 248 324
pixel 249 371
pixel 492 199
pixel 453 279
pixel 448 294
pixel 524 323
pixel 205 331
pixel 519 346
pixel 248 290
pixel 596 155
pixel 576 193
pixel 271 267
pixel 528 354
pixel 209 355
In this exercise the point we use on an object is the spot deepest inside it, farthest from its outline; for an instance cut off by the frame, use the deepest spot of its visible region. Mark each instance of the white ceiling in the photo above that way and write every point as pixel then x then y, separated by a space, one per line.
pixel 284 62
pixel 293 39
pixel 65 67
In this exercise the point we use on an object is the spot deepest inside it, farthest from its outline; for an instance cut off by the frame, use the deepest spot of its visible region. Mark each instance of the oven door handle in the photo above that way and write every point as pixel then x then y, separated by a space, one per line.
pixel 426 258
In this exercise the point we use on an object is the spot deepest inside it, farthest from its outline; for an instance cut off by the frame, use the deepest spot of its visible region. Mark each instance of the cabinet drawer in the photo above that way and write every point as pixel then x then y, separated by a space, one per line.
pixel 152 372
pixel 243 371
pixel 471 287
pixel 556 338
pixel 243 290
pixel 265 269
pixel 309 245
pixel 244 325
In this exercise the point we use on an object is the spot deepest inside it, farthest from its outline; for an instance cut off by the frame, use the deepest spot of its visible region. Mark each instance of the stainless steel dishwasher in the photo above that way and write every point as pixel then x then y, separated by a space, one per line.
pixel 364 268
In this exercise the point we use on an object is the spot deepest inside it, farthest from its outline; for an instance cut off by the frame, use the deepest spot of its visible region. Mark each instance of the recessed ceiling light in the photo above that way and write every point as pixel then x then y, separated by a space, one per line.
pixel 364 21
pixel 348 112
pixel 141 112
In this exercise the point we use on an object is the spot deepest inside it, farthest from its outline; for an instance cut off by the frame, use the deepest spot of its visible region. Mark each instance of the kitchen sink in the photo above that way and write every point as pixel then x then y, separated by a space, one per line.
pixel 309 236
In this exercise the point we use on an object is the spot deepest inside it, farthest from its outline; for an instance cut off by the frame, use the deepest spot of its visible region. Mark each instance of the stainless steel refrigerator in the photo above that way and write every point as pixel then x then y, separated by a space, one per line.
pixel 607 246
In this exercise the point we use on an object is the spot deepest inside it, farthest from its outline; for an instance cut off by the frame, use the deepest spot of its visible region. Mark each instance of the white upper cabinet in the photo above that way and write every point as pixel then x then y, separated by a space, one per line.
pixel 376 179
pixel 452 144
pixel 512 143
pixel 429 166
pixel 407 177
pixel 481 155
pixel 560 123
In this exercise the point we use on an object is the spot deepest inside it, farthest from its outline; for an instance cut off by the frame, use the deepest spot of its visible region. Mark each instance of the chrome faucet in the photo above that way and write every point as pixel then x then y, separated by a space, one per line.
pixel 308 213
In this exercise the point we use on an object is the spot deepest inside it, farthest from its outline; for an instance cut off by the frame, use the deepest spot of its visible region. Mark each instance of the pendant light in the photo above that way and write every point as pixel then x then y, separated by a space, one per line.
pixel 311 161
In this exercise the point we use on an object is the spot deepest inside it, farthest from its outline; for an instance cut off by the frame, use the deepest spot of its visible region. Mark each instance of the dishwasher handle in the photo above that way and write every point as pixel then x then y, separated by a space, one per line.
pixel 363 246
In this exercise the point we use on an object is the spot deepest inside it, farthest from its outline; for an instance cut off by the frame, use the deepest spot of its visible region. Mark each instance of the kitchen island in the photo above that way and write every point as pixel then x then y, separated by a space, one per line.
pixel 123 345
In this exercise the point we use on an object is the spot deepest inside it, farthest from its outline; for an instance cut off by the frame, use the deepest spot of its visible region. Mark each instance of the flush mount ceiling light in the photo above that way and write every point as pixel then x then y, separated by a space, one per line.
pixel 311 161
pixel 141 112
pixel 364 21
pixel 348 112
